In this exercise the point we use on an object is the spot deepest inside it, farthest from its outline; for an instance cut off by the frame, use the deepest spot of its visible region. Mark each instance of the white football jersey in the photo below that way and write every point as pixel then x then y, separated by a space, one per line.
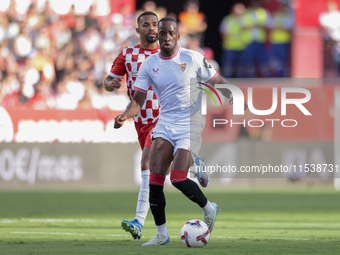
pixel 170 80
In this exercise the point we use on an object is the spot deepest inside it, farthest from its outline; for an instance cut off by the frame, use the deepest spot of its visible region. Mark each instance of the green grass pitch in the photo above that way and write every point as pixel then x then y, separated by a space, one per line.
pixel 303 221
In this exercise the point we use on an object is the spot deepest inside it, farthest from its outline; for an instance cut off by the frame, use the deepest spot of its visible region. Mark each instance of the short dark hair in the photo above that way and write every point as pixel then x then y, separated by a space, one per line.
pixel 146 13
pixel 168 19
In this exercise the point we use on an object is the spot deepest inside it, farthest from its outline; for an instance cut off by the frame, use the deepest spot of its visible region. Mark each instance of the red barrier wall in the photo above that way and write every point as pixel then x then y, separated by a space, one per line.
pixel 97 126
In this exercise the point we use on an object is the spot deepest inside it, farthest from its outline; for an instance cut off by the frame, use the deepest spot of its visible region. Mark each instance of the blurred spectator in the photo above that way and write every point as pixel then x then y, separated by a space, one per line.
pixel 149 6
pixel 193 20
pixel 70 92
pixel 48 14
pixel 17 98
pixel 61 34
pixel 209 55
pixel 280 38
pixel 3 27
pixel 70 18
pixel 43 97
pixel 9 84
pixel 330 23
pixel 194 44
pixel 255 21
pixel 22 45
pixel 85 102
pixel 11 12
pixel 34 18
pixel 90 19
pixel 90 41
pixel 80 26
pixel 42 40
pixel 232 42
pixel 162 12
pixel 172 15
pixel 44 64
pixel 128 17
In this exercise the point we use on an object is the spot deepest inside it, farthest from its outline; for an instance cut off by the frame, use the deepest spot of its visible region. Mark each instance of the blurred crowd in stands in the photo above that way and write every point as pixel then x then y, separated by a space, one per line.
pixel 50 60
pixel 256 43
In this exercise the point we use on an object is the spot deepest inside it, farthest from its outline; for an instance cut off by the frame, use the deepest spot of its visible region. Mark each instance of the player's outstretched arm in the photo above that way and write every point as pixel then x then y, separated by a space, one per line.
pixel 112 83
pixel 220 80
pixel 132 109
pixel 225 92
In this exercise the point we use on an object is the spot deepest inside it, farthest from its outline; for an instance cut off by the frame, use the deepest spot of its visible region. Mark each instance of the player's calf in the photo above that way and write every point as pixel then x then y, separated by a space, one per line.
pixel 157 198
pixel 188 187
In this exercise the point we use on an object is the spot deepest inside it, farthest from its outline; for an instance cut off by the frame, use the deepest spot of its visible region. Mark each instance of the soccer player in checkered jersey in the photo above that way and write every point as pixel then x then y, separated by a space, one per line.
pixel 128 62
pixel 177 135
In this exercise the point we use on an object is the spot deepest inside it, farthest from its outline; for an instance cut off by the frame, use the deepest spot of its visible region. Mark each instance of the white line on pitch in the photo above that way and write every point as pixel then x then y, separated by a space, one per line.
pixel 8 221
pixel 58 233
pixel 301 224
pixel 51 233
pixel 284 238
pixel 55 220
pixel 229 237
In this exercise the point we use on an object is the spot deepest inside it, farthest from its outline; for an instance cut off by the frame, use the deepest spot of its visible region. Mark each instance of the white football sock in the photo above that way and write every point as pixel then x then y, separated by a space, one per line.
pixel 208 209
pixel 143 198
pixel 161 229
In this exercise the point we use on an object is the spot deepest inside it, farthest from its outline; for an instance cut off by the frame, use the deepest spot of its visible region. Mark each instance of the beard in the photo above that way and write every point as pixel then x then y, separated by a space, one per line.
pixel 150 39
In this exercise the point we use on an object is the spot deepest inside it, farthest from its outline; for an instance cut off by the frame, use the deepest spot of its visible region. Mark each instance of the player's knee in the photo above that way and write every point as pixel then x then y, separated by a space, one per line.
pixel 154 167
pixel 145 162
pixel 177 176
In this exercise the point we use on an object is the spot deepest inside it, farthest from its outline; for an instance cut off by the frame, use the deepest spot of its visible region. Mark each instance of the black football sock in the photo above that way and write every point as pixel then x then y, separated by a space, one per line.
pixel 157 203
pixel 191 190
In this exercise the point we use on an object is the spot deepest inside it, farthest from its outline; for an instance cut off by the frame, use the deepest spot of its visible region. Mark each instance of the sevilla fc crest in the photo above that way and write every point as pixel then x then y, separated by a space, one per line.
pixel 183 67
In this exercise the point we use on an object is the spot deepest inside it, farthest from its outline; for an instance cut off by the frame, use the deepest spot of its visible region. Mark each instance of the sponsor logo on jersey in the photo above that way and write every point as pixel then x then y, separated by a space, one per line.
pixel 135 74
pixel 183 67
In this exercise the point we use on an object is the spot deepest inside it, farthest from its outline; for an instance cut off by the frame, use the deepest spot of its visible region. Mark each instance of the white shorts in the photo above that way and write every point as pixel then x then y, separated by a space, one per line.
pixel 180 138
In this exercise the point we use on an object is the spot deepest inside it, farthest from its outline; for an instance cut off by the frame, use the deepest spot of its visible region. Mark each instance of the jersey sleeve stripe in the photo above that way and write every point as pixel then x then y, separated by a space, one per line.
pixel 212 78
pixel 114 75
pixel 141 90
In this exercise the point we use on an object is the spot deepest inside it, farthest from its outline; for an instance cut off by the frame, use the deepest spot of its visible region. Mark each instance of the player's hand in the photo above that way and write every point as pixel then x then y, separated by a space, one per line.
pixel 119 121
pixel 114 84
pixel 231 101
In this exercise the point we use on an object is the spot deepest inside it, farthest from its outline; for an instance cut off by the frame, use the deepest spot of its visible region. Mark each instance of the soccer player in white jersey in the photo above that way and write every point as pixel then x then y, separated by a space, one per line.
pixel 128 62
pixel 174 138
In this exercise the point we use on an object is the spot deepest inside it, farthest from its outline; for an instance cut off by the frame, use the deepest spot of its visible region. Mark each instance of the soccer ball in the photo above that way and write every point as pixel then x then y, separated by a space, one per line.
pixel 195 233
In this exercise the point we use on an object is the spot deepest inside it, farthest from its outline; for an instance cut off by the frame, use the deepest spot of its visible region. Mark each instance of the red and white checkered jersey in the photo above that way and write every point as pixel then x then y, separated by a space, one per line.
pixel 128 62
